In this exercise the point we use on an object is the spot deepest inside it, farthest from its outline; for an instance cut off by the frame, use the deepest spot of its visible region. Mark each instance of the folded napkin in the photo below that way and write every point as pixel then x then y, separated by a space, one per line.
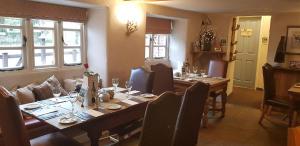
pixel 130 102
pixel 133 92
pixel 58 100
pixel 94 113
pixel 43 111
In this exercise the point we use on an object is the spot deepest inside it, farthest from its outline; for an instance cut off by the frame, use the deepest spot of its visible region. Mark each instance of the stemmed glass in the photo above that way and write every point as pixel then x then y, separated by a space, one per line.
pixel 73 97
pixel 202 72
pixel 56 92
pixel 195 69
pixel 115 83
pixel 128 86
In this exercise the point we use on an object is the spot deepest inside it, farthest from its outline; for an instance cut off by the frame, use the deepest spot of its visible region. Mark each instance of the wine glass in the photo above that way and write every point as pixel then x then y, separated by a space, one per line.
pixel 195 69
pixel 128 86
pixel 115 83
pixel 203 72
pixel 56 92
pixel 73 97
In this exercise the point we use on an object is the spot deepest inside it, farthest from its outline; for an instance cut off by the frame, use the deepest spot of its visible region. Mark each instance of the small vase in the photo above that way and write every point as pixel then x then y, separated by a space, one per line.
pixel 207 46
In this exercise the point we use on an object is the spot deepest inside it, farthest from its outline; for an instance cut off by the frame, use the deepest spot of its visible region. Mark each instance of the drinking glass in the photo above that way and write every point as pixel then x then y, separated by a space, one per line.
pixel 73 97
pixel 195 69
pixel 203 71
pixel 115 83
pixel 128 86
pixel 56 92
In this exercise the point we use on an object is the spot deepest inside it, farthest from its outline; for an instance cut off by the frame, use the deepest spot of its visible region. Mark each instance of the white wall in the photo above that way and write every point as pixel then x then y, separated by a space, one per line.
pixel 177 51
pixel 97 42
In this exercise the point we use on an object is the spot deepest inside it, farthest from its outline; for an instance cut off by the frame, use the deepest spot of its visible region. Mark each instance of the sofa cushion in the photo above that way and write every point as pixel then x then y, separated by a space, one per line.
pixel 72 84
pixel 24 95
pixel 56 85
pixel 42 91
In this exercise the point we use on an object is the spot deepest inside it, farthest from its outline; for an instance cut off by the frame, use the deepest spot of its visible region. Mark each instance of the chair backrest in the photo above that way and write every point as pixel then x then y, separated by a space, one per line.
pixel 163 80
pixel 269 82
pixel 12 124
pixel 159 121
pixel 142 80
pixel 217 68
pixel 190 115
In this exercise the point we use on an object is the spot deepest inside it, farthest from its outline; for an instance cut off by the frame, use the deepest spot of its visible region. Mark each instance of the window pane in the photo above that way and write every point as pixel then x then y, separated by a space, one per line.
pixel 72 56
pixel 10 21
pixel 43 57
pixel 162 52
pixel 155 52
pixel 147 52
pixel 10 59
pixel 147 39
pixel 10 37
pixel 43 37
pixel 155 39
pixel 43 23
pixel 162 40
pixel 71 25
pixel 72 38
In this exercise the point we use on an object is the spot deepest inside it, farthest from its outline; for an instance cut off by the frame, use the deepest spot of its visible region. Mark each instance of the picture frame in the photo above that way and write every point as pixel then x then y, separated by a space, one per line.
pixel 293 40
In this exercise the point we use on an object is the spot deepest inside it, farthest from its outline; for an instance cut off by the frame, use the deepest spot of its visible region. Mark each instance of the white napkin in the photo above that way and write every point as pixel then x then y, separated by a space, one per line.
pixel 94 113
pixel 133 92
pixel 58 100
pixel 43 111
pixel 130 102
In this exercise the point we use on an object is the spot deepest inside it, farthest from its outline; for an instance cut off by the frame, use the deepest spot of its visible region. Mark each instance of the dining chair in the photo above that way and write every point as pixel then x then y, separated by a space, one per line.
pixel 163 80
pixel 160 120
pixel 14 132
pixel 270 99
pixel 142 80
pixel 190 115
pixel 217 68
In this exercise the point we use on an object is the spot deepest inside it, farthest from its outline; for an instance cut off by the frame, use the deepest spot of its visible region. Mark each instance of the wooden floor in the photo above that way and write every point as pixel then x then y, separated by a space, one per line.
pixel 240 126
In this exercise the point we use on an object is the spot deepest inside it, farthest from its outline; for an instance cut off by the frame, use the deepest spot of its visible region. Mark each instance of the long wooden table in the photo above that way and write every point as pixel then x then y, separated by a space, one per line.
pixel 96 119
pixel 215 84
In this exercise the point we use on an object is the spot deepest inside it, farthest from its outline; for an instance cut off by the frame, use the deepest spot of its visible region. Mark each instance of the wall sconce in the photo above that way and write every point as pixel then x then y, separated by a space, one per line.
pixel 131 26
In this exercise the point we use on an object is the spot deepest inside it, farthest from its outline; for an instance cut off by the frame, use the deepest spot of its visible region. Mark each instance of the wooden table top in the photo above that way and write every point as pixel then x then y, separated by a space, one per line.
pixel 83 114
pixel 294 90
pixel 212 81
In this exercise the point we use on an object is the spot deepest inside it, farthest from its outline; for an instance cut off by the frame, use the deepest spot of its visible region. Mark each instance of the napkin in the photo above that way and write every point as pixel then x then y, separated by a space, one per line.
pixel 94 113
pixel 130 102
pixel 44 111
pixel 133 92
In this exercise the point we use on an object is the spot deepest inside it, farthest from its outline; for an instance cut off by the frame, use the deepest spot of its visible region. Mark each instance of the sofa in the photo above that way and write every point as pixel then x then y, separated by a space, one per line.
pixel 34 92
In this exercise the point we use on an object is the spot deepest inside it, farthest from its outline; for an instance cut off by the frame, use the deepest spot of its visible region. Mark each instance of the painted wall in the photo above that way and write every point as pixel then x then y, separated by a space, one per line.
pixel 97 42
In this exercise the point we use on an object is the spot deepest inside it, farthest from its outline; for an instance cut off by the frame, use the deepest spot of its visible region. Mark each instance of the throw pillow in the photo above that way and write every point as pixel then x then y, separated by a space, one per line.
pixel 24 95
pixel 42 91
pixel 54 84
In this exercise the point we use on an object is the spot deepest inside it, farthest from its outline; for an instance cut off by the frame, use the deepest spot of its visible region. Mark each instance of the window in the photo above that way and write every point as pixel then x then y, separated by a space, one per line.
pixel 11 43
pixel 43 42
pixel 156 46
pixel 72 43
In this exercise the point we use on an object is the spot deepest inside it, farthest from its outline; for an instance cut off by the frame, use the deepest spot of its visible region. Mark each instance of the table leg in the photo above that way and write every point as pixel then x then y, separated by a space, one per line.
pixel 94 135
pixel 205 112
pixel 224 101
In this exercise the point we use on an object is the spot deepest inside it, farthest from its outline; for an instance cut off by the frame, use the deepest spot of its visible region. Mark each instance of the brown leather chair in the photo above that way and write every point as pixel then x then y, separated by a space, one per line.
pixel 270 99
pixel 160 120
pixel 163 80
pixel 14 131
pixel 190 115
pixel 142 80
pixel 217 68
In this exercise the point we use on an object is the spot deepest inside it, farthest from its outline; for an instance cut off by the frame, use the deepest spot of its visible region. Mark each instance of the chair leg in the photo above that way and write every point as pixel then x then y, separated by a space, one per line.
pixel 214 105
pixel 294 122
pixel 290 115
pixel 269 110
pixel 264 111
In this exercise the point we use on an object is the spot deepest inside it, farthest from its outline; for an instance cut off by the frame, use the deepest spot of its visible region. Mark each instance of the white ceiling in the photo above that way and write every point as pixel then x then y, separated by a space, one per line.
pixel 247 6
pixel 234 5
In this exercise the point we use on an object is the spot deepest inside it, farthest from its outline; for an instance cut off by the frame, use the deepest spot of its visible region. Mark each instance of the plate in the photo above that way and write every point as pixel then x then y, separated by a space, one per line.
pixel 147 95
pixel 32 106
pixel 114 107
pixel 65 120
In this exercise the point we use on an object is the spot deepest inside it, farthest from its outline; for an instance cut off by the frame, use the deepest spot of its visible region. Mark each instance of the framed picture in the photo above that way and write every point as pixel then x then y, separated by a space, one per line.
pixel 293 40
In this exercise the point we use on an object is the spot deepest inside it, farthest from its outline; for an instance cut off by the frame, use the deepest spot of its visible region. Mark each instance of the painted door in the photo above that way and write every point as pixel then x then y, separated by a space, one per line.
pixel 247 47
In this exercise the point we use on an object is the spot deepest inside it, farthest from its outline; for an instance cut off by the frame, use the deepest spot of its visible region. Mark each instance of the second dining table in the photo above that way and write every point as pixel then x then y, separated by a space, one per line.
pixel 216 84
pixel 92 119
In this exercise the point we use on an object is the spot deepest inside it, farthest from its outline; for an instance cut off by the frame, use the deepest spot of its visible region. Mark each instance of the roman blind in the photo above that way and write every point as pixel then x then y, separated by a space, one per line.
pixel 37 10
pixel 158 25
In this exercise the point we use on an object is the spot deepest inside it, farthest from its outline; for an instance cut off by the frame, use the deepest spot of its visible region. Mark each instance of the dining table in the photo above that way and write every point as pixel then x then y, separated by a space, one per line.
pixel 294 99
pixel 94 118
pixel 216 84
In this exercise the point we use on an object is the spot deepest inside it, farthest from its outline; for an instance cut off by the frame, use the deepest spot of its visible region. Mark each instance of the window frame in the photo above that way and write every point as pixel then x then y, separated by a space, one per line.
pixel 152 45
pixel 22 48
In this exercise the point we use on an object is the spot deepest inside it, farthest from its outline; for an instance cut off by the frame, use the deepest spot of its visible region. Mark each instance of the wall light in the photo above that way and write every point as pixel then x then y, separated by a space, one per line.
pixel 131 14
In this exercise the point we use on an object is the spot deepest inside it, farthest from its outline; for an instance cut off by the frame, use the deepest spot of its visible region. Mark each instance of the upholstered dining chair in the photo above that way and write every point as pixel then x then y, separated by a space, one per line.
pixel 14 132
pixel 142 80
pixel 270 99
pixel 160 120
pixel 163 80
pixel 217 68
pixel 190 115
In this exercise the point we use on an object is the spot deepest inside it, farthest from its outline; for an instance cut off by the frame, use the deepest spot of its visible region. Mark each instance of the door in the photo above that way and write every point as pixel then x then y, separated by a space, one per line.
pixel 247 47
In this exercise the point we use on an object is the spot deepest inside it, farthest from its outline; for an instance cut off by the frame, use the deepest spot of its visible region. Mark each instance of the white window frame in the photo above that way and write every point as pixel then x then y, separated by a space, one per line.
pixel 23 44
pixel 152 45
pixel 81 30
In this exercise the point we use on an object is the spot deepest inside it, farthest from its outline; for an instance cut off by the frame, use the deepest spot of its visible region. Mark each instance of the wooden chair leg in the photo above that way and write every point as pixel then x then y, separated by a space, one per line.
pixel 269 110
pixel 290 115
pixel 214 105
pixel 294 122
pixel 264 111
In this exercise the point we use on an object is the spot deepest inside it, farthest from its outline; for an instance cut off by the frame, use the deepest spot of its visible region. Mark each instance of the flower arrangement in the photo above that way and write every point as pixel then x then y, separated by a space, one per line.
pixel 208 36
pixel 87 72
